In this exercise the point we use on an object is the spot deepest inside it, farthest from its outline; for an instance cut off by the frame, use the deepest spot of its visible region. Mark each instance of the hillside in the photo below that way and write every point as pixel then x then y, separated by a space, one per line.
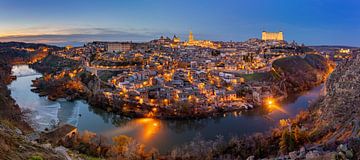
pixel 295 74
pixel 336 116
pixel 20 53
pixel 13 124
pixel 329 129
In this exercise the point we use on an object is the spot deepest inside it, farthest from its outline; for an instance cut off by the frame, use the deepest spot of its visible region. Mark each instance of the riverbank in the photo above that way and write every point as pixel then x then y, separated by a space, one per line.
pixel 80 84
pixel 150 131
pixel 9 110
pixel 72 82
pixel 328 129
pixel 14 124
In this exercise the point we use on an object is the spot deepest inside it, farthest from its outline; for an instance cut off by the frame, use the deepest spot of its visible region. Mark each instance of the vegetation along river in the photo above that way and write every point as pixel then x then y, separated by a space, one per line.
pixel 161 134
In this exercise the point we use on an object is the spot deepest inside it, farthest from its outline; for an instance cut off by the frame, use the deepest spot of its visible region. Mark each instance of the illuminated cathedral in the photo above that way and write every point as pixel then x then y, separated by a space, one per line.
pixel 200 43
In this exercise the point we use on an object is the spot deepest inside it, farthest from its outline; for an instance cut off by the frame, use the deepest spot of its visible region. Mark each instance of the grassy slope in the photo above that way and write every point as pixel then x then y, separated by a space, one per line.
pixel 14 146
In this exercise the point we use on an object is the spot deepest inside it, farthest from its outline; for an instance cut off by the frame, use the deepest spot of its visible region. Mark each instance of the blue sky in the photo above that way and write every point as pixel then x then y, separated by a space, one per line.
pixel 313 22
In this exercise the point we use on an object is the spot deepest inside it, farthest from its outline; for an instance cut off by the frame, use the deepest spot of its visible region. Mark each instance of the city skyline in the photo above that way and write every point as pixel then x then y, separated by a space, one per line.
pixel 66 22
pixel 185 79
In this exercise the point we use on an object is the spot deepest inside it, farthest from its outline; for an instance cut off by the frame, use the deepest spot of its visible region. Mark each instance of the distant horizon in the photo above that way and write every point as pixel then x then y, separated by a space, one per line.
pixel 78 44
pixel 312 22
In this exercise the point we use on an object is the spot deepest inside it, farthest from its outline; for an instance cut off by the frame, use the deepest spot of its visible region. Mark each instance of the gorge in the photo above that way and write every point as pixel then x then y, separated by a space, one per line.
pixel 313 70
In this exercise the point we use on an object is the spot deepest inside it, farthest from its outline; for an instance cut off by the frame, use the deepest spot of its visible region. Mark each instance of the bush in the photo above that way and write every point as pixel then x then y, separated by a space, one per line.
pixel 35 158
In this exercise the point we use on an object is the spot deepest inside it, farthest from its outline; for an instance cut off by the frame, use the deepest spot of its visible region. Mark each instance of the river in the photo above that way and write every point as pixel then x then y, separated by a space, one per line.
pixel 160 134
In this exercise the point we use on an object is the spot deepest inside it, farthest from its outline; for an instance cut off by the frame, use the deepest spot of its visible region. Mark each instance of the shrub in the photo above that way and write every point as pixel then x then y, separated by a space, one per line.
pixel 36 158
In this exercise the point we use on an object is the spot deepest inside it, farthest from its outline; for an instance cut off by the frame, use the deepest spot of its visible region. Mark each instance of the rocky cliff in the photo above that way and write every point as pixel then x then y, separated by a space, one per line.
pixel 336 116
pixel 332 123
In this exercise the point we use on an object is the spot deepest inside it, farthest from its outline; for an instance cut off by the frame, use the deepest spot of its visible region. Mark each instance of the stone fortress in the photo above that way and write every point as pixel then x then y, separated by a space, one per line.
pixel 272 36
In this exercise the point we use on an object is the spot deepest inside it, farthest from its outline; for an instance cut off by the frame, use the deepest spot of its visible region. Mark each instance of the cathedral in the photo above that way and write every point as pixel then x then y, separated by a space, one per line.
pixel 200 43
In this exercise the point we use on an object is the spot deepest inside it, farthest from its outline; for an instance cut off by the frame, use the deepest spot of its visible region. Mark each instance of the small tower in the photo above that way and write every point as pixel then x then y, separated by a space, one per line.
pixel 191 37
pixel 281 36
pixel 263 35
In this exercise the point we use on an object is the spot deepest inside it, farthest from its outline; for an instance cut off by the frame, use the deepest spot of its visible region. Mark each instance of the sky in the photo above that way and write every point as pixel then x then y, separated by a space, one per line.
pixel 62 22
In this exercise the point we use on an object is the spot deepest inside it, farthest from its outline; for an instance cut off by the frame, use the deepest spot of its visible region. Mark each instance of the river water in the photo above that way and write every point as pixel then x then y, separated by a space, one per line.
pixel 160 134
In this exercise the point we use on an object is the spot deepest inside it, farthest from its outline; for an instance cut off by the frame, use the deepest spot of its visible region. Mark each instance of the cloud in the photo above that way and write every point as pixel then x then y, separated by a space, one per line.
pixel 79 36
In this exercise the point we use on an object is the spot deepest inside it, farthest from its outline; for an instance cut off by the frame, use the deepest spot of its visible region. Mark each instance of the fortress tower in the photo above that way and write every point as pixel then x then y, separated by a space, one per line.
pixel 272 36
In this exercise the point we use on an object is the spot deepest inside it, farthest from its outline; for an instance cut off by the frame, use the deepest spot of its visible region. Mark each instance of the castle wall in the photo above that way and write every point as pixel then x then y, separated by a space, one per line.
pixel 277 36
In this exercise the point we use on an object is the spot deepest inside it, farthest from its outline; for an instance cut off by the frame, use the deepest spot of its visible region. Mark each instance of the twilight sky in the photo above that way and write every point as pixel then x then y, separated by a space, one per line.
pixel 313 22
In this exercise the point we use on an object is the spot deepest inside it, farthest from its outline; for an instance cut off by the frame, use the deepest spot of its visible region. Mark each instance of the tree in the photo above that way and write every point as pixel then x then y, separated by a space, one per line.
pixel 101 143
pixel 121 145
pixel 87 136
pixel 283 141
pixel 287 141
pixel 300 136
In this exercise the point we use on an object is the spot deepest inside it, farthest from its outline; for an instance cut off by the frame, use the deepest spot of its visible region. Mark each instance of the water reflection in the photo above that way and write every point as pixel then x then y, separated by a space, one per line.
pixel 43 111
pixel 144 129
pixel 161 134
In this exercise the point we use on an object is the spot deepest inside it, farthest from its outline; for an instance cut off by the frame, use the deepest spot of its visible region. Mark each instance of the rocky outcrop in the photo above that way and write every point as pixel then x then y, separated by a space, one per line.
pixel 15 146
pixel 332 123
pixel 336 116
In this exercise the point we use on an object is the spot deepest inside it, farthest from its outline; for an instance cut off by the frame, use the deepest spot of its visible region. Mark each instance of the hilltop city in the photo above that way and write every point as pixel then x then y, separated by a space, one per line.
pixel 179 80
pixel 169 80
pixel 169 77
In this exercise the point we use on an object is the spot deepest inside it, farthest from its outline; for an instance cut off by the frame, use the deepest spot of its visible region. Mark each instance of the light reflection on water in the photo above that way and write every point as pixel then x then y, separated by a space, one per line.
pixel 161 134
pixel 144 128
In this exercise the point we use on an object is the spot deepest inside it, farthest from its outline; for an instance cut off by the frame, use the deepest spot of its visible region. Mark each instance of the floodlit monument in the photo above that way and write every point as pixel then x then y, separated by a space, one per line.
pixel 272 36
pixel 200 43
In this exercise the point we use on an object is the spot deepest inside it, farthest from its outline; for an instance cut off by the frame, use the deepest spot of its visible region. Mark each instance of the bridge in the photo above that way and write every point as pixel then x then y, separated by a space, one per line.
pixel 94 70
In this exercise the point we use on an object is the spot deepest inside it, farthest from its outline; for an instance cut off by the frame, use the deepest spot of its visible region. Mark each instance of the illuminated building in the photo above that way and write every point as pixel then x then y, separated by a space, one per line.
pixel 69 47
pixel 191 37
pixel 272 36
pixel 119 47
pixel 200 43
pixel 344 50
pixel 176 39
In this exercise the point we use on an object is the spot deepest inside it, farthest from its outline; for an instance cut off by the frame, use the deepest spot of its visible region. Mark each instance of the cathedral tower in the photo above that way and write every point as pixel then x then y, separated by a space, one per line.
pixel 191 37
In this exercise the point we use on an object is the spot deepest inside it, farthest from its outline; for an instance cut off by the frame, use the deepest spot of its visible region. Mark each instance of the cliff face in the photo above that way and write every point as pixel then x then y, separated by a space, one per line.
pixel 9 111
pixel 336 116
pixel 295 74
pixel 13 127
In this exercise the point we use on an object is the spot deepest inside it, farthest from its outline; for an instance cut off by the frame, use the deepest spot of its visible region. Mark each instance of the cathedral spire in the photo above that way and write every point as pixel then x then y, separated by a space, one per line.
pixel 191 37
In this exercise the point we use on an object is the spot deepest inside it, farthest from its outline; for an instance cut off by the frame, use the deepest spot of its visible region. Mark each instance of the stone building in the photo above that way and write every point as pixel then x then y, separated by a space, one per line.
pixel 119 47
pixel 272 36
